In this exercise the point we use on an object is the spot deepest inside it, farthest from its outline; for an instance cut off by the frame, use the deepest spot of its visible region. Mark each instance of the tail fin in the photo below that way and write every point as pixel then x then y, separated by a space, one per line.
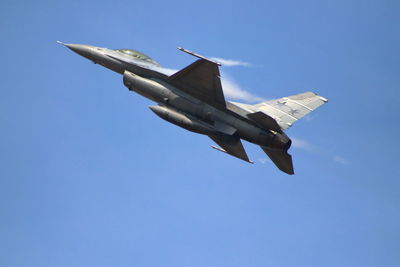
pixel 281 159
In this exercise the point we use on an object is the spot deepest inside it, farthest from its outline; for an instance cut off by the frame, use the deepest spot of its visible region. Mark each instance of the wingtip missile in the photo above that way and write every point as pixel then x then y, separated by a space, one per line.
pixel 197 55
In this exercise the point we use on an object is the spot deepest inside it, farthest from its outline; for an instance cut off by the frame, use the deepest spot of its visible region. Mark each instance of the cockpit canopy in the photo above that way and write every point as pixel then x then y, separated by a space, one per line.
pixel 137 55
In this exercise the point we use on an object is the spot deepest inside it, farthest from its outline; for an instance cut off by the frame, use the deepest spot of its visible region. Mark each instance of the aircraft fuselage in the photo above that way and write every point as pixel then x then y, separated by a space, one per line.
pixel 192 98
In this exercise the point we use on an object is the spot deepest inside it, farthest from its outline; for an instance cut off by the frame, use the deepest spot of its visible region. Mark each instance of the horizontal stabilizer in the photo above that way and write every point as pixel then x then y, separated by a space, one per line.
pixel 281 159
pixel 265 121
pixel 230 145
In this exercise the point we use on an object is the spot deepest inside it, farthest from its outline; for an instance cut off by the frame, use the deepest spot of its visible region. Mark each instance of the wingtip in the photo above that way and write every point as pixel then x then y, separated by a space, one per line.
pixel 324 99
pixel 198 56
pixel 320 97
pixel 59 42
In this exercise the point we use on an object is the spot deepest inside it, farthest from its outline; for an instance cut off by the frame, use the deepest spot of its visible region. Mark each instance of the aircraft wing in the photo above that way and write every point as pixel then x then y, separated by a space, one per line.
pixel 288 110
pixel 230 145
pixel 201 80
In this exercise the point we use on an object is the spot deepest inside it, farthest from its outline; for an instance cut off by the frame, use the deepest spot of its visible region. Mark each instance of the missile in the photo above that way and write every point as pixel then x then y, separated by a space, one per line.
pixel 183 120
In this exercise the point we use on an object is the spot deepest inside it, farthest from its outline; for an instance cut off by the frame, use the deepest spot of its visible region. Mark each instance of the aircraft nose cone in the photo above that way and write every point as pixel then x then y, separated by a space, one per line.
pixel 83 50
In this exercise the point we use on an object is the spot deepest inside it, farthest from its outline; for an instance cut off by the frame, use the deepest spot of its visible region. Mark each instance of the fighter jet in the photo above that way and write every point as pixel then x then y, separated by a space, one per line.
pixel 193 99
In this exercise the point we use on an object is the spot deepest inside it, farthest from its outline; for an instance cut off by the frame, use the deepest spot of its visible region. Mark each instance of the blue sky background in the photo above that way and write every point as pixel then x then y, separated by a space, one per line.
pixel 91 177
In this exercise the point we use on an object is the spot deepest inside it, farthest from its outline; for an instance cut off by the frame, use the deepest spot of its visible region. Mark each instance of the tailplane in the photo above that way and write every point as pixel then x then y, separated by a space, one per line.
pixel 281 159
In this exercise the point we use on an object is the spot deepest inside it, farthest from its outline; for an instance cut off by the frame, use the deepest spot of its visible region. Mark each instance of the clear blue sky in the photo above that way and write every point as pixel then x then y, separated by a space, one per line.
pixel 91 177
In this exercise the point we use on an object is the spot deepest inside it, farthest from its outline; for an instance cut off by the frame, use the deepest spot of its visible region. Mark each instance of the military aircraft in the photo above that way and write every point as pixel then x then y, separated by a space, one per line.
pixel 193 99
